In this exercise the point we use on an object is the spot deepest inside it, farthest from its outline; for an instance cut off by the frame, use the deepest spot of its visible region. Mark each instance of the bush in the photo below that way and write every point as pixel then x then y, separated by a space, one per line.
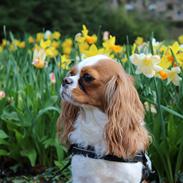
pixel 67 16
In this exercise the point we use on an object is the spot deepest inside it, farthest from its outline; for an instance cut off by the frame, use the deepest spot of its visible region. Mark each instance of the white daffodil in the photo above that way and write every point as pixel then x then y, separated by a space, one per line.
pixel 39 58
pixel 146 64
pixel 173 75
pixel 47 34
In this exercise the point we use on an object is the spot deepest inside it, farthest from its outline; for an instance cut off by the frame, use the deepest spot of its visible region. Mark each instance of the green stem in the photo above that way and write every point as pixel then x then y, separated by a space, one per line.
pixel 159 109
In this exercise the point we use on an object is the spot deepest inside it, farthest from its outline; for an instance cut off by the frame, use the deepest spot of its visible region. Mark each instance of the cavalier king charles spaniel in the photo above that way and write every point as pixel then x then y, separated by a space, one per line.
pixel 101 110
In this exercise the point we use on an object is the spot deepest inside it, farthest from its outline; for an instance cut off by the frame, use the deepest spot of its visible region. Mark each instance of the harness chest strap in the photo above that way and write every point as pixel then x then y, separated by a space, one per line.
pixel 89 151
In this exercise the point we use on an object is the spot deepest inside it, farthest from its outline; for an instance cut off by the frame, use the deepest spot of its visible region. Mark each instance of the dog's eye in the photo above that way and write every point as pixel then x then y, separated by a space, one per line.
pixel 87 78
pixel 71 73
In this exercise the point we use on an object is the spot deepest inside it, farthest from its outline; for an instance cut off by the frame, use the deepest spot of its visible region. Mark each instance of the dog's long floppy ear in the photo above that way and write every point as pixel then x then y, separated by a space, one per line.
pixel 125 133
pixel 65 120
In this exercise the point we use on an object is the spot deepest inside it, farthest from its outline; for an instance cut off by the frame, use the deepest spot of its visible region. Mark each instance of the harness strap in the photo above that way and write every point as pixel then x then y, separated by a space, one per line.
pixel 89 151
pixel 75 149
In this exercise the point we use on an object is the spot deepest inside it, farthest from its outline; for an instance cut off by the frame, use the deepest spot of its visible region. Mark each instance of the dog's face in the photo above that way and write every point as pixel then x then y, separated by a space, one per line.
pixel 86 83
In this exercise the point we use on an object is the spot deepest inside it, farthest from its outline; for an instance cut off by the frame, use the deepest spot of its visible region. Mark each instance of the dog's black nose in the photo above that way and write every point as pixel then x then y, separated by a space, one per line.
pixel 67 81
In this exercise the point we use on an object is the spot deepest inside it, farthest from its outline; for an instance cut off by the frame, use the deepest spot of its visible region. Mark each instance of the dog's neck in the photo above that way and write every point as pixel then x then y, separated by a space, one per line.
pixel 89 129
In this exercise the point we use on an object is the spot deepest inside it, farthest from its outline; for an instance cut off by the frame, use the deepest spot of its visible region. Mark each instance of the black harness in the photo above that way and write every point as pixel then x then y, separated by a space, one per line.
pixel 89 151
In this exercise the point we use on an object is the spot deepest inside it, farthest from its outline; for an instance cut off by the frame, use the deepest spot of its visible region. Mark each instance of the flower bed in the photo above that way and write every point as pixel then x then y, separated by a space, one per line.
pixel 31 72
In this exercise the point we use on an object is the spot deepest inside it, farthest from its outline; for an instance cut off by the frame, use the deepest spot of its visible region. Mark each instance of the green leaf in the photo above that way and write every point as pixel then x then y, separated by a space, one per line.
pixel 3 152
pixel 45 110
pixel 31 155
pixel 9 116
pixel 3 135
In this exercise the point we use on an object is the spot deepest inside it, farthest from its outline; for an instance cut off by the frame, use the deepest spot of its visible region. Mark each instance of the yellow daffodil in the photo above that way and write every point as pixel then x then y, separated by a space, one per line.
pixel 91 39
pixel 85 31
pixel 31 39
pixel 39 37
pixel 146 64
pixel 84 37
pixel 51 52
pixel 56 35
pixel 79 38
pixel 168 58
pixel 93 50
pixel 83 47
pixel 179 57
pixel 45 44
pixel 4 43
pixel 55 44
pixel 67 43
pixel 21 44
pixel 110 45
pixel 180 38
pixel 39 57
pixel 139 41
pixel 64 63
pixel 116 48
pixel 163 75
pixel 124 59
pixel 173 75
pixel 67 46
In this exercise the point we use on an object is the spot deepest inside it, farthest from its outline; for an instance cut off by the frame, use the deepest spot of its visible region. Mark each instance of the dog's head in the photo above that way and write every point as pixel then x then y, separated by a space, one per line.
pixel 101 82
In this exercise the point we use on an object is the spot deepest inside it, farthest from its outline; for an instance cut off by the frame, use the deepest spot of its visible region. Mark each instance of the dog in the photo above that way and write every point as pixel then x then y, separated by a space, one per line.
pixel 103 120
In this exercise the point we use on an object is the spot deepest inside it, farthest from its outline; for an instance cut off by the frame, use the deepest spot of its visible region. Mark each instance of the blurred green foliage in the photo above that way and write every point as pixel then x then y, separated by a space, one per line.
pixel 67 16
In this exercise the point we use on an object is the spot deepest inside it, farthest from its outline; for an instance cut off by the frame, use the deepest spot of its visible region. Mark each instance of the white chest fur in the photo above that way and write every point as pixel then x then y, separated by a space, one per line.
pixel 89 130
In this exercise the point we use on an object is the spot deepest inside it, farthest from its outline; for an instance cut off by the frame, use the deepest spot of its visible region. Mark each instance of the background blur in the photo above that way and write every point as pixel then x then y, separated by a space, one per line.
pixel 120 17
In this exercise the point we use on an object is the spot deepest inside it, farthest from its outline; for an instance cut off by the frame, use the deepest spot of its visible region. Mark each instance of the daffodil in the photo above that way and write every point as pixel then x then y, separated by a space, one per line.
pixel 173 75
pixel 4 43
pixel 124 59
pixel 39 36
pixel 84 37
pixel 21 44
pixel 93 50
pixel 91 39
pixel 47 34
pixel 55 44
pixel 85 31
pixel 139 41
pixel 163 75
pixel 180 38
pixel 83 47
pixel 64 63
pixel 168 58
pixel 179 57
pixel 45 44
pixel 106 35
pixel 51 52
pixel 39 57
pixel 67 46
pixel 31 39
pixel 146 64
pixel 56 35
pixel 110 45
